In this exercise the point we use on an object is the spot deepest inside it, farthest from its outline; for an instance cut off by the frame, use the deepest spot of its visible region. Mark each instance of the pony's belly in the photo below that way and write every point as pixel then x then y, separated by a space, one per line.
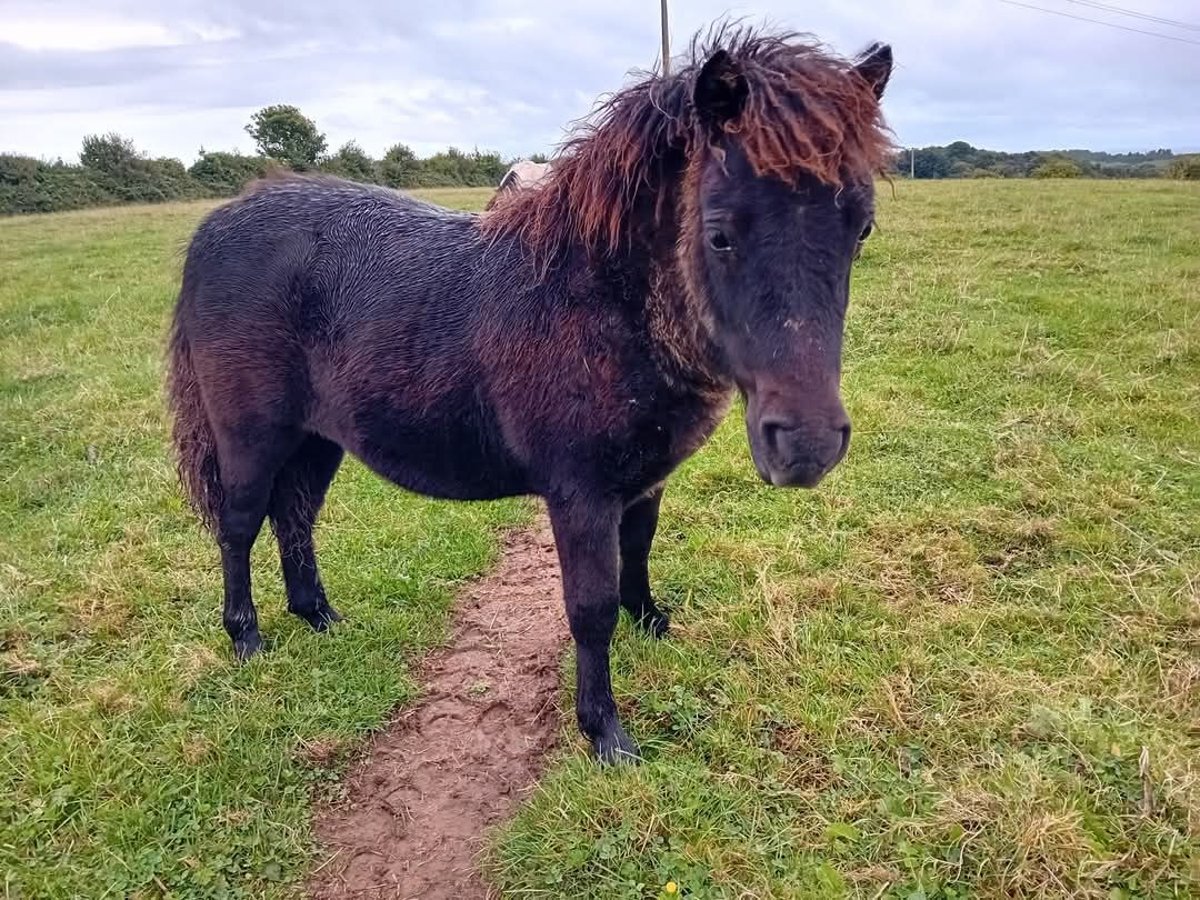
pixel 435 482
pixel 437 457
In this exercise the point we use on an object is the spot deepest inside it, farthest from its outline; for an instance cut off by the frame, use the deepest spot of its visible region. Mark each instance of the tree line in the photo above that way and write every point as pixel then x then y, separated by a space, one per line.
pixel 961 160
pixel 111 170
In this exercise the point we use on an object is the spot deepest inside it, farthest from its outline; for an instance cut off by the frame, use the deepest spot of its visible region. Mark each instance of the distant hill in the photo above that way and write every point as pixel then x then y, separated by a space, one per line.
pixel 961 160
pixel 1118 159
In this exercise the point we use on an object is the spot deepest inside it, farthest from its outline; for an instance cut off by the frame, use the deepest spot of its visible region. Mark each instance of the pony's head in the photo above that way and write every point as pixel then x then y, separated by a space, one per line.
pixel 780 199
pixel 758 160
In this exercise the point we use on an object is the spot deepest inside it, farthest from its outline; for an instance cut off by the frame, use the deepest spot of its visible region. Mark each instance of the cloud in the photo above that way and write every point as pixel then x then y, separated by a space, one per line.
pixel 511 75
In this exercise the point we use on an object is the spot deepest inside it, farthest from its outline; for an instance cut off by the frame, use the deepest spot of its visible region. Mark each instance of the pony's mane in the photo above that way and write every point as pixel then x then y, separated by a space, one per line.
pixel 808 111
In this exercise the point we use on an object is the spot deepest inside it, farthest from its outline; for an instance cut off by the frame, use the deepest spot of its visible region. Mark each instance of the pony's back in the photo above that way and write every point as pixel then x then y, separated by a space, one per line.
pixel 316 303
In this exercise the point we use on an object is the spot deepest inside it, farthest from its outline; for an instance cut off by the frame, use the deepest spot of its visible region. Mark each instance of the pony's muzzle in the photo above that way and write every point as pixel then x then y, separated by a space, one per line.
pixel 797 451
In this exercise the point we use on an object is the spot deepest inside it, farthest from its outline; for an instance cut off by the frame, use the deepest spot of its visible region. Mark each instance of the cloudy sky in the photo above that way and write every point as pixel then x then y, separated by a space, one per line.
pixel 509 75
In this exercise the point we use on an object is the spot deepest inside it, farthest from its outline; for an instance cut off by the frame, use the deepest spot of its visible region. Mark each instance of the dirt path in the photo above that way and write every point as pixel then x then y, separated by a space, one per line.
pixel 420 804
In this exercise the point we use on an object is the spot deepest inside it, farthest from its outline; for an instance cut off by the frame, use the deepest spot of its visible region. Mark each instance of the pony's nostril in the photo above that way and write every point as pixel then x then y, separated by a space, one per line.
pixel 772 431
pixel 791 445
pixel 845 446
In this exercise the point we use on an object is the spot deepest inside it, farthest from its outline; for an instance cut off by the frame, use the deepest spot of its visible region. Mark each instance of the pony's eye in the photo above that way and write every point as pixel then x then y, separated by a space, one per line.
pixel 718 240
pixel 866 232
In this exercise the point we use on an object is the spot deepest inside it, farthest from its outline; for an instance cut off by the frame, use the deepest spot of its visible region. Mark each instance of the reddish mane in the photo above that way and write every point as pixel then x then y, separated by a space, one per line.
pixel 808 111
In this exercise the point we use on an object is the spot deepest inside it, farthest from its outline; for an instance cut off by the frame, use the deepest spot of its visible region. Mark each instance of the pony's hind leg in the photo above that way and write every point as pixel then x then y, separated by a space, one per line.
pixel 295 501
pixel 247 473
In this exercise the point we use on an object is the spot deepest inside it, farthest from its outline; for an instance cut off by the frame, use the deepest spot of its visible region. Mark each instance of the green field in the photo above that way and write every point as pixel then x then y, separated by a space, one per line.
pixel 967 666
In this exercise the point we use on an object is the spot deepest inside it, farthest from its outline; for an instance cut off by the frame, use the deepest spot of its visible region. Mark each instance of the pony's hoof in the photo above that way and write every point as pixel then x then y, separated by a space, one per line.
pixel 247 646
pixel 616 748
pixel 657 624
pixel 321 618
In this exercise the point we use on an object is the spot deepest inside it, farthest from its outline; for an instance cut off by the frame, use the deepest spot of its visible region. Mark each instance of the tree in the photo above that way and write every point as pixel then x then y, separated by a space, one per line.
pixel 17 169
pixel 960 151
pixel 489 168
pixel 283 133
pixel 21 191
pixel 224 174
pixel 1057 167
pixel 1186 168
pixel 400 167
pixel 109 153
pixel 116 168
pixel 931 162
pixel 445 169
pixel 350 162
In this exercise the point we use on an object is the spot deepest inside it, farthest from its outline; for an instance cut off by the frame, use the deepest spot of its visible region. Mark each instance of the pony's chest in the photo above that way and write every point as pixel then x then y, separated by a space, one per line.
pixel 663 435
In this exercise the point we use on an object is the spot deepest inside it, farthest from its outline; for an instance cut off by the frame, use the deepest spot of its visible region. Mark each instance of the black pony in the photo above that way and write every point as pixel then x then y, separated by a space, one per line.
pixel 577 342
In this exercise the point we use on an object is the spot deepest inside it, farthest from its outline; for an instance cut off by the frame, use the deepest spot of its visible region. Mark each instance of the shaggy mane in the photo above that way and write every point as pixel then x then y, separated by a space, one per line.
pixel 808 111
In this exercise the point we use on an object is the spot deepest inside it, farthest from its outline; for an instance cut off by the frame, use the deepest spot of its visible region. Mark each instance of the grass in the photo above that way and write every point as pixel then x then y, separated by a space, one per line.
pixel 135 758
pixel 968 666
pixel 961 667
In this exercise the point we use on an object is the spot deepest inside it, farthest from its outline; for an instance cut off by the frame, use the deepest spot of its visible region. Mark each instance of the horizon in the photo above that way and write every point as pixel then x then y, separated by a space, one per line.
pixel 73 159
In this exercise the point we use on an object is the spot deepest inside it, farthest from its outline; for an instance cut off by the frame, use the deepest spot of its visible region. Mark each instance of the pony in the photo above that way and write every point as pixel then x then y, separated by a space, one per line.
pixel 578 342
pixel 523 174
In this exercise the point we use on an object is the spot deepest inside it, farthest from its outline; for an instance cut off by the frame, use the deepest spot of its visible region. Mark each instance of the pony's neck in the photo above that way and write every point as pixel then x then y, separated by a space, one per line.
pixel 680 333
pixel 678 319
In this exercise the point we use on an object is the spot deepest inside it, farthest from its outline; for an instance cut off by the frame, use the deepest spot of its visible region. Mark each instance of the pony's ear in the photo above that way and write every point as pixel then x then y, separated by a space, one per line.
pixel 875 66
pixel 720 91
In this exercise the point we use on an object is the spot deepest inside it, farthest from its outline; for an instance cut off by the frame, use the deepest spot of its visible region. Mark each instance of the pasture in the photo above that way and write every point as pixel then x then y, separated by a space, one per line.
pixel 967 666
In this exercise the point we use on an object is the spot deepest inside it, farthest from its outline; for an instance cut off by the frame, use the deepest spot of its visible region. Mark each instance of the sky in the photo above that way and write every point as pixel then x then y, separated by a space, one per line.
pixel 511 75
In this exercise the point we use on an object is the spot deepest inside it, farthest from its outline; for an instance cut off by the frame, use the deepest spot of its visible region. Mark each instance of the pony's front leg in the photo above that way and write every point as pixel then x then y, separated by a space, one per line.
pixel 586 534
pixel 638 525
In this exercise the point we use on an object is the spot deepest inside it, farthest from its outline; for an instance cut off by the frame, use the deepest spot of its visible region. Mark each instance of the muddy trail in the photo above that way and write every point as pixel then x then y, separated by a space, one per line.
pixel 418 808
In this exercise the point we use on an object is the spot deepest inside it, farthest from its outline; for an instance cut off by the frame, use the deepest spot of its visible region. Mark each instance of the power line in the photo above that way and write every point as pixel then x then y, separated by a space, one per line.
pixel 1135 14
pixel 1055 12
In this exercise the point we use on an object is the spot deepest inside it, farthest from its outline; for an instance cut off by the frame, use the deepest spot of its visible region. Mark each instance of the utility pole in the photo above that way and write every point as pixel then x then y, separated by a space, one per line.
pixel 912 162
pixel 666 41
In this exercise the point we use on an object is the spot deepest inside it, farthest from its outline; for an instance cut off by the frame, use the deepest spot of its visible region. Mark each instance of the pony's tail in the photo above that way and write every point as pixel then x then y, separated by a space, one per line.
pixel 195 445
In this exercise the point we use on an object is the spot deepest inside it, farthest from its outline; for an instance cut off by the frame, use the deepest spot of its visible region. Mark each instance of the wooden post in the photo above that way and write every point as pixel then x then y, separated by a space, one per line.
pixel 666 41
